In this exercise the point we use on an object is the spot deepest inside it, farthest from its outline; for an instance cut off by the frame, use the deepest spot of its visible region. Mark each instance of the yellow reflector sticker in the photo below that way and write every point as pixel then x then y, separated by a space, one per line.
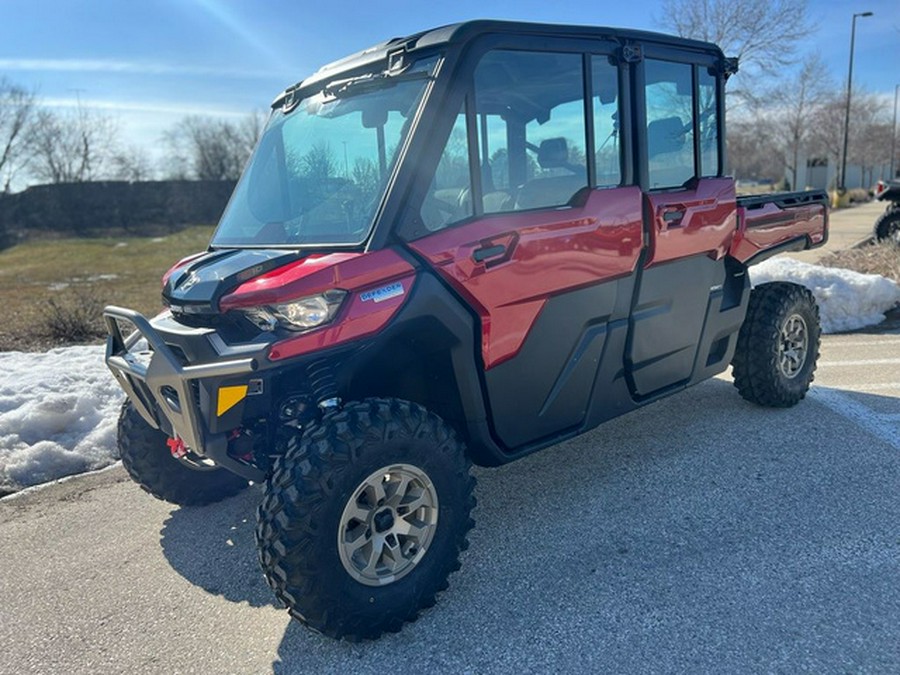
pixel 230 397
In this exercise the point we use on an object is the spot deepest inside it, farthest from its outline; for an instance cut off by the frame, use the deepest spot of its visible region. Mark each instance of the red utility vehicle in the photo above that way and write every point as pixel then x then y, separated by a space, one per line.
pixel 460 246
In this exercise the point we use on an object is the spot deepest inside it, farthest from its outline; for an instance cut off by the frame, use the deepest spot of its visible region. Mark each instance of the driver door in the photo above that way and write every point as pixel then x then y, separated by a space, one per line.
pixel 526 219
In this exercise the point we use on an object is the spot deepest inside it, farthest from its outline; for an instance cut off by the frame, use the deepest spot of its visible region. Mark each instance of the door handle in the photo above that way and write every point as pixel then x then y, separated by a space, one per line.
pixel 496 250
pixel 670 216
pixel 488 252
pixel 673 215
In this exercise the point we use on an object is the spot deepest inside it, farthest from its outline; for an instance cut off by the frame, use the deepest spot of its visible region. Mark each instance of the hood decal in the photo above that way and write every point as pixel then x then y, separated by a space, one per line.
pixel 207 278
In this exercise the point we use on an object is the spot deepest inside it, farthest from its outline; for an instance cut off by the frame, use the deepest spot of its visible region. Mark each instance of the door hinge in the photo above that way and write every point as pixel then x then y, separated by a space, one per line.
pixel 632 53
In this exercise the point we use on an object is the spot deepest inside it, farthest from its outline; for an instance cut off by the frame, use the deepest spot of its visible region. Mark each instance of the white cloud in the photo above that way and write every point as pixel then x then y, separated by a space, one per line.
pixel 164 107
pixel 128 67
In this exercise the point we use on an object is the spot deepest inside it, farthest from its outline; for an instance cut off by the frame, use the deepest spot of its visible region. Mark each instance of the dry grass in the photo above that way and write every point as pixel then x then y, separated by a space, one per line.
pixel 78 276
pixel 74 316
pixel 51 290
pixel 883 259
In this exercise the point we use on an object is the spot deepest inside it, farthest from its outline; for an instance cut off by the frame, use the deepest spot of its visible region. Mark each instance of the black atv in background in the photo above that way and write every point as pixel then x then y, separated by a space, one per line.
pixel 887 227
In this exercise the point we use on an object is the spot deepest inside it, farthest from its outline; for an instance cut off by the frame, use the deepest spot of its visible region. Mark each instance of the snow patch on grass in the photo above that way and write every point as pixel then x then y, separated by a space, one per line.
pixel 58 413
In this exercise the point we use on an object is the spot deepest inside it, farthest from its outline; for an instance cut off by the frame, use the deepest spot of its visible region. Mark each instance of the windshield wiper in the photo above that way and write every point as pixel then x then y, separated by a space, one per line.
pixel 353 86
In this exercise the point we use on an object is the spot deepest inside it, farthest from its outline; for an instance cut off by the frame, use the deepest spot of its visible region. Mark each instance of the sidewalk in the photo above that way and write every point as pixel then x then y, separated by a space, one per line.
pixel 846 228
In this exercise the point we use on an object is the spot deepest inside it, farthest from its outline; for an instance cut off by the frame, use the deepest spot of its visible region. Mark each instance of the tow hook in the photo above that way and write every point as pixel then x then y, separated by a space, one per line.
pixel 240 444
pixel 176 447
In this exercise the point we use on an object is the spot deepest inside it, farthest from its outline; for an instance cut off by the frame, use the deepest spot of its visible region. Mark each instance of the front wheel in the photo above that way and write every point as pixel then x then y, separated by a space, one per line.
pixel 364 517
pixel 149 462
pixel 778 345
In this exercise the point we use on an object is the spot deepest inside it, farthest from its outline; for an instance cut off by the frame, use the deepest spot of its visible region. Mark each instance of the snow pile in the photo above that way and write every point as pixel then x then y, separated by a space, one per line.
pixel 847 300
pixel 58 413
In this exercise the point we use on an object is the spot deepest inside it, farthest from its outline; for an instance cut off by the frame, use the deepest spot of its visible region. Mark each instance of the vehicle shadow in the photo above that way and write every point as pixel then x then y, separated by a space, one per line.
pixel 213 547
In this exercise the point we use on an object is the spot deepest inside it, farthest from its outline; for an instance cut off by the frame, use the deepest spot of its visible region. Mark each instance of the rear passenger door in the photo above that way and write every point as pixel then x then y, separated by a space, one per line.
pixel 690 219
pixel 530 218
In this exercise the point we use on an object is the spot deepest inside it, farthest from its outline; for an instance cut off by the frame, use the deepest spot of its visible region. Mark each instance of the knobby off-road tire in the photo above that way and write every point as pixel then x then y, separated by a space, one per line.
pixel 778 345
pixel 887 227
pixel 150 463
pixel 323 498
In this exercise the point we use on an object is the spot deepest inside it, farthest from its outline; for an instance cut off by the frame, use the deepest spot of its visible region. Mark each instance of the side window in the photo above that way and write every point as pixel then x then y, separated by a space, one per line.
pixel 670 129
pixel 531 129
pixel 449 198
pixel 605 89
pixel 709 128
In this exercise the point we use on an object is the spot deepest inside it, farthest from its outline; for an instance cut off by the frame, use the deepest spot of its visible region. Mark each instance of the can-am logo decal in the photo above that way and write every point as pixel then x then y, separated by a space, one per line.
pixel 192 280
pixel 383 293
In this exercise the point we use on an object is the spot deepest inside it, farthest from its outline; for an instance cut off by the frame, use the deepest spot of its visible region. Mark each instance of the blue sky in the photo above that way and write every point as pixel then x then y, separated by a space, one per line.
pixel 150 62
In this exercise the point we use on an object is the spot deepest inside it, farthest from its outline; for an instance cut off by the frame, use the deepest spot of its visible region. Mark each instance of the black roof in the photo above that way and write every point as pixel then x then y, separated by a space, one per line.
pixel 459 33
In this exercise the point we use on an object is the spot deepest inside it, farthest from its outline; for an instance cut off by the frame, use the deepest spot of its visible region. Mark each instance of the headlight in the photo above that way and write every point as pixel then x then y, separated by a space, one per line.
pixel 302 314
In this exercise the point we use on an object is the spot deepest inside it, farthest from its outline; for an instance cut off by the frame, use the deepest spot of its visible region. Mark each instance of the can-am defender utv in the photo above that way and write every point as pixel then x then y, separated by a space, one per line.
pixel 460 246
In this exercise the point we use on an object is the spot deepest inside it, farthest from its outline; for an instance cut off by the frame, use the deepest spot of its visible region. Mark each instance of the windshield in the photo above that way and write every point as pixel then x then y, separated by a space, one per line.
pixel 319 171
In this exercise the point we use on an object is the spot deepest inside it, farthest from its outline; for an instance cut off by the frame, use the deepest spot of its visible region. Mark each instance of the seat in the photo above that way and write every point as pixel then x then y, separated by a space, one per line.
pixel 553 153
pixel 492 201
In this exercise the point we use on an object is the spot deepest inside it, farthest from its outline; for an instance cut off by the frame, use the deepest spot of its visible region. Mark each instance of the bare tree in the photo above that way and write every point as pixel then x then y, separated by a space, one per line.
pixel 365 175
pixel 869 139
pixel 763 34
pixel 16 114
pixel 793 106
pixel 872 149
pixel 207 148
pixel 131 163
pixel 828 129
pixel 753 153
pixel 870 133
pixel 319 163
pixel 250 128
pixel 71 147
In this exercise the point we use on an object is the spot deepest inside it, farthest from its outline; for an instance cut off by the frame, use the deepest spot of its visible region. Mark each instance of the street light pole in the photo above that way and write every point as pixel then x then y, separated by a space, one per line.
pixel 894 133
pixel 843 185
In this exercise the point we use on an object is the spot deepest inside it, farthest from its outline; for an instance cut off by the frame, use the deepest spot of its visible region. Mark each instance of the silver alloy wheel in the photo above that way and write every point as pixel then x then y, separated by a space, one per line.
pixel 388 524
pixel 793 346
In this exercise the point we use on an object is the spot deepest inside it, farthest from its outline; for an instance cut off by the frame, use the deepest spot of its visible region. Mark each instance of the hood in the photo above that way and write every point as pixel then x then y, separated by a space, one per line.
pixel 197 286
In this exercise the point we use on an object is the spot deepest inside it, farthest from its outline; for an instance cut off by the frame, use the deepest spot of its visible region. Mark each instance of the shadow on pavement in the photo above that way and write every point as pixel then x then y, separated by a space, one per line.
pixel 213 547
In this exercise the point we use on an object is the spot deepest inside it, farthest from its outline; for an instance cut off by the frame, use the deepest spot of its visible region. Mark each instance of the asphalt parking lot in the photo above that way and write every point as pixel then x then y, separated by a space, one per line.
pixel 700 534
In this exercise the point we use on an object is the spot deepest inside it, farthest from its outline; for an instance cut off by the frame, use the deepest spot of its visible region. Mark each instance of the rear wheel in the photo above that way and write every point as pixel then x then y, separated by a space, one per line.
pixel 364 518
pixel 887 227
pixel 778 345
pixel 190 481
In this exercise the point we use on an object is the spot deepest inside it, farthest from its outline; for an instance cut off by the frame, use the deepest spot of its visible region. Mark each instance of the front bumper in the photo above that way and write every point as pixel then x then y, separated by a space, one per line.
pixel 161 387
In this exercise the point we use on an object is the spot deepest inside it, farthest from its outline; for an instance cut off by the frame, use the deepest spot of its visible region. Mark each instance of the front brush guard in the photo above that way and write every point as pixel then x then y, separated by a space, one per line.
pixel 154 380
